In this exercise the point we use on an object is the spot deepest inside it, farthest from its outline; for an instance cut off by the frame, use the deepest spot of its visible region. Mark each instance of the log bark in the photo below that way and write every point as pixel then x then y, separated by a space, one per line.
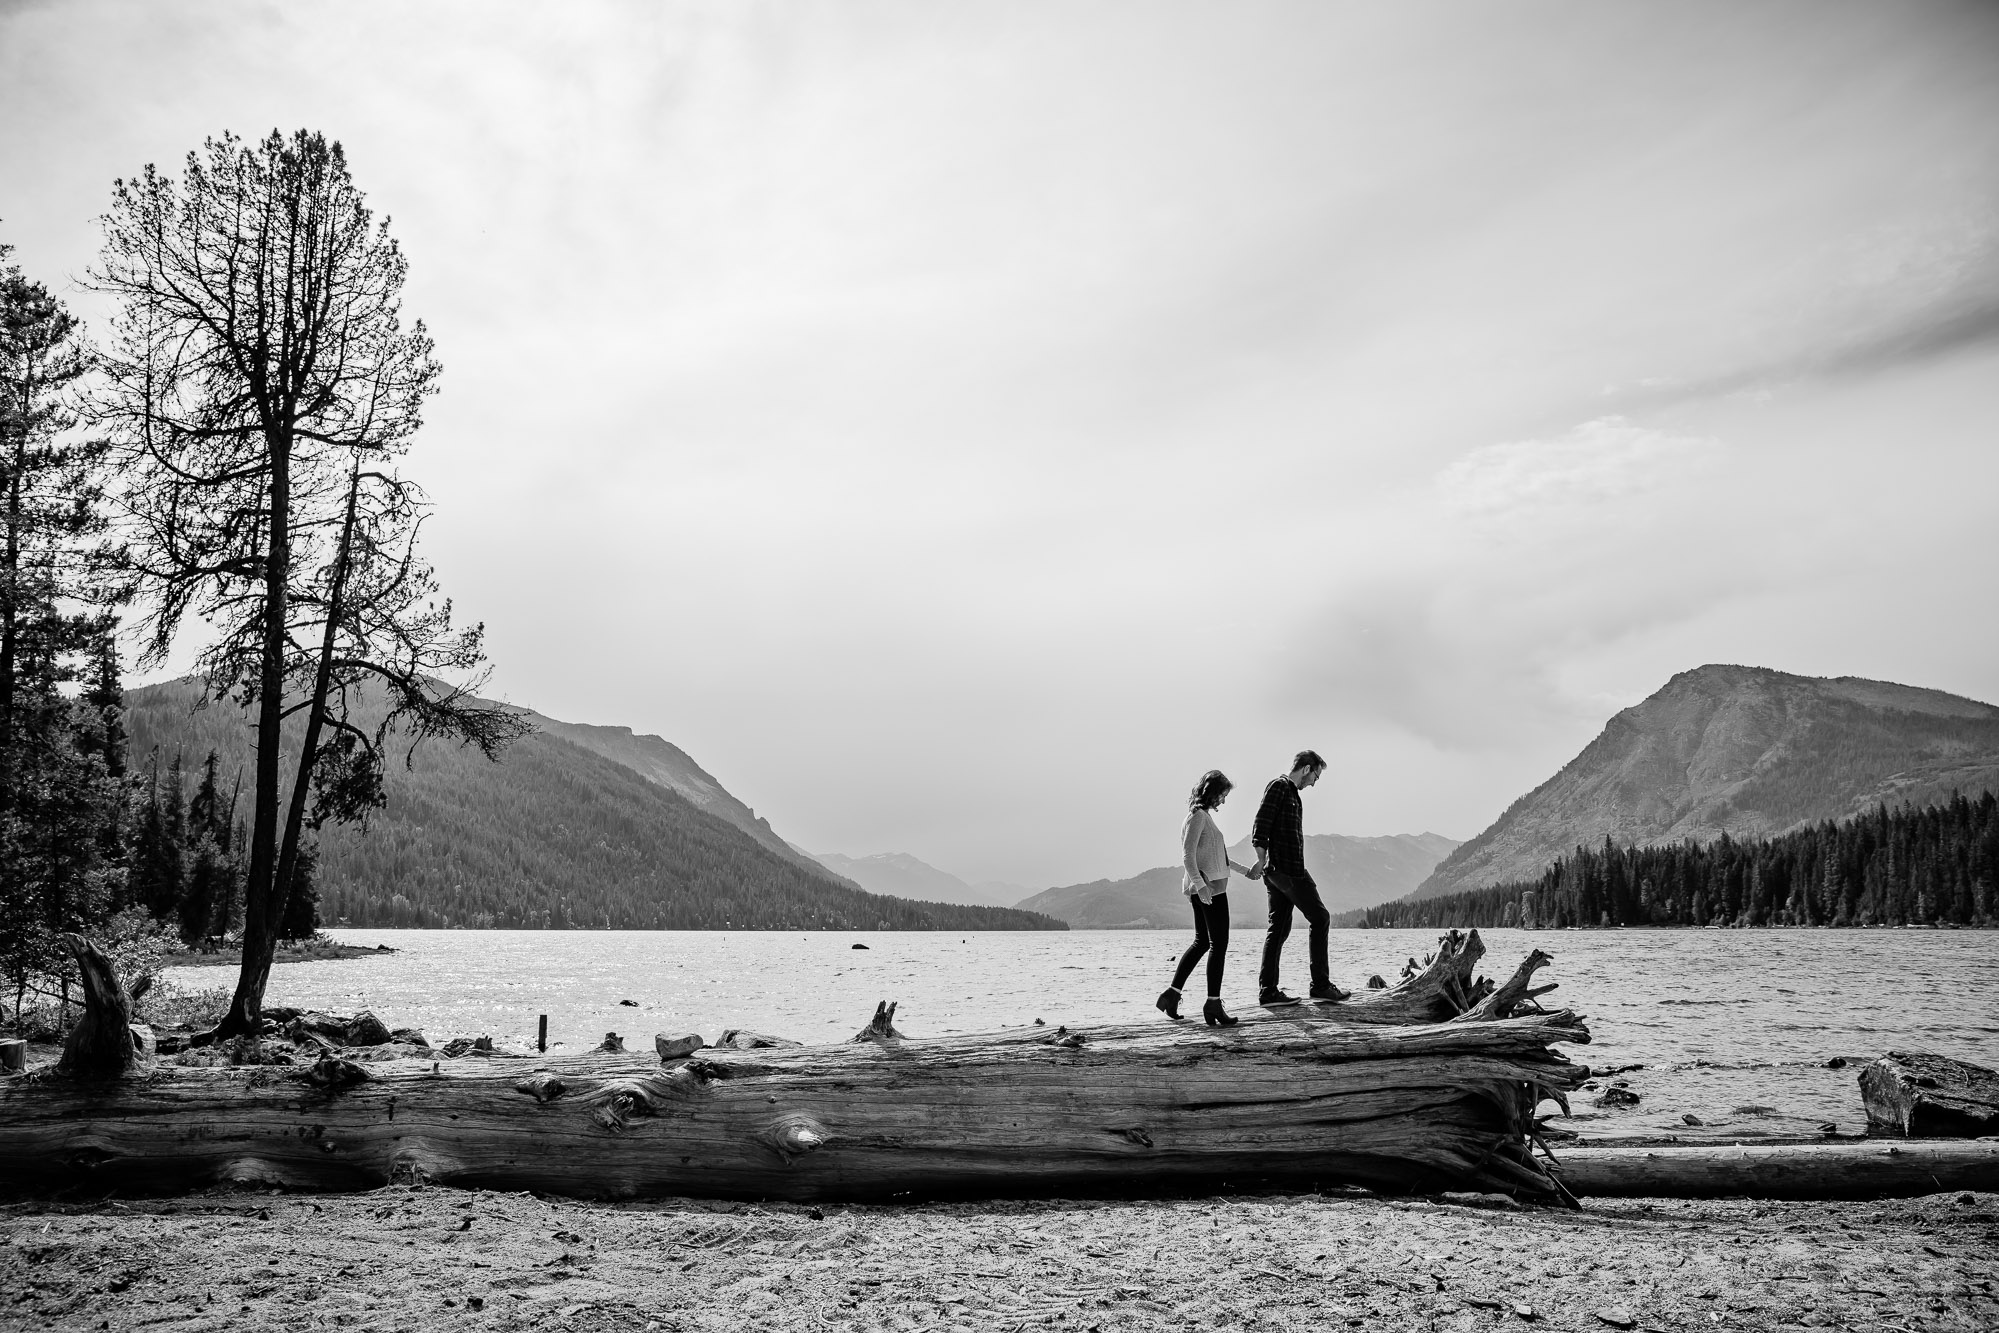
pixel 1793 1171
pixel 1920 1095
pixel 1304 1095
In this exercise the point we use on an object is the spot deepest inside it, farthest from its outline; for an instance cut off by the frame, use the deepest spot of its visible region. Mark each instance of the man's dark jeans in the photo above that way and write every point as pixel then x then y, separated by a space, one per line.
pixel 1287 892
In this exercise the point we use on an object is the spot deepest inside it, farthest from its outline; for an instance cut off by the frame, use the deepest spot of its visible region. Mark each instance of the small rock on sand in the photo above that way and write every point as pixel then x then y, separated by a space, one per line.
pixel 1617 1317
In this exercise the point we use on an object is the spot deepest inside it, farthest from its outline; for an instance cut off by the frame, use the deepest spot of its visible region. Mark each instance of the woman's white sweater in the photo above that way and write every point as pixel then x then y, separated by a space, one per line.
pixel 1204 856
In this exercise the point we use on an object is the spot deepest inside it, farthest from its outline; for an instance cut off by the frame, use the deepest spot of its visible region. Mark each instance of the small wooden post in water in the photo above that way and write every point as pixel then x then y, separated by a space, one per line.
pixel 541 1042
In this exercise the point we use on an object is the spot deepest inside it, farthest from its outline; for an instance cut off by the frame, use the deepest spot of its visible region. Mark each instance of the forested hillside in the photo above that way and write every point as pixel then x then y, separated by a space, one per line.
pixel 1915 865
pixel 1742 751
pixel 554 836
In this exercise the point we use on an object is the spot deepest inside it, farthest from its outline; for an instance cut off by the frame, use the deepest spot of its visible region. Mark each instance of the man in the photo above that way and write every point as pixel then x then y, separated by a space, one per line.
pixel 1279 839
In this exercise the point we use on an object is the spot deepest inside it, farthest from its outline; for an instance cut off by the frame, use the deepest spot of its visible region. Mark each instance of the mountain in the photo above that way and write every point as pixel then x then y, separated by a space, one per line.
pixel 662 762
pixel 900 875
pixel 1351 873
pixel 556 834
pixel 1739 750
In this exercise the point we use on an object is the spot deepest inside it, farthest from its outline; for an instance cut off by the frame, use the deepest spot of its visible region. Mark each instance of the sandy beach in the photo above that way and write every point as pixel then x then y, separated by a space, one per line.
pixel 422 1256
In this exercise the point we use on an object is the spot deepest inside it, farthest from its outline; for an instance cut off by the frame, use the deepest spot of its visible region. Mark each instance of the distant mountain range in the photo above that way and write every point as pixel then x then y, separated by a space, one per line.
pixel 576 826
pixel 901 875
pixel 1351 873
pixel 1739 750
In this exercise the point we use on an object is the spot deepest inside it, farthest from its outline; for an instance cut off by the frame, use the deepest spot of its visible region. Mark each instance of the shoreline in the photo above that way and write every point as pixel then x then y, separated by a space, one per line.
pixel 312 952
pixel 405 1253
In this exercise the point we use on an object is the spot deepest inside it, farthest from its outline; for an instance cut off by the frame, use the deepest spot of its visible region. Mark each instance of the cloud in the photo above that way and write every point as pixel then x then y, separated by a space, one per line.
pixel 1532 552
pixel 1571 479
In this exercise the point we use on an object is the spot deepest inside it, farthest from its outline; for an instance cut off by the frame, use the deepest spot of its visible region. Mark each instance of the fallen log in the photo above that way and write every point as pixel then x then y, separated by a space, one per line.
pixel 1790 1171
pixel 1920 1095
pixel 1322 1094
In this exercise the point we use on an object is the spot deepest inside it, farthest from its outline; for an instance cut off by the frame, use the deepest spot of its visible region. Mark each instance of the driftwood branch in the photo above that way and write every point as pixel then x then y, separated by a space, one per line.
pixel 882 1026
pixel 1517 991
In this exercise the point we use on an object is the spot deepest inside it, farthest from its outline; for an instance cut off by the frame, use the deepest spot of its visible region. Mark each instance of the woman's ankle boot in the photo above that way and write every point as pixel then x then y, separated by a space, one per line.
pixel 1168 1002
pixel 1212 1012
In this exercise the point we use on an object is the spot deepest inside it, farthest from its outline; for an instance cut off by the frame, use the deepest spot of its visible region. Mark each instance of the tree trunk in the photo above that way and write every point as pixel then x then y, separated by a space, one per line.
pixel 260 913
pixel 315 721
pixel 1315 1094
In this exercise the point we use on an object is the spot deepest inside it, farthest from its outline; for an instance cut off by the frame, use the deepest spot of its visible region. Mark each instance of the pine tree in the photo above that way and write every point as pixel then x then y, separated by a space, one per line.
pixel 156 879
pixel 211 870
pixel 56 793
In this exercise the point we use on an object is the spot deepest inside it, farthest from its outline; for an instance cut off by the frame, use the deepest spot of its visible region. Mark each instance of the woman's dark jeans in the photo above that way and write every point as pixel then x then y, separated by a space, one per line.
pixel 1211 937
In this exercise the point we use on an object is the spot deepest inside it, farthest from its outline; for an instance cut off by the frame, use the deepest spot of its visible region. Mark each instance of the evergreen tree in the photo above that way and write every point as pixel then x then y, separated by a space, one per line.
pixel 211 870
pixel 1927 865
pixel 57 795
pixel 156 879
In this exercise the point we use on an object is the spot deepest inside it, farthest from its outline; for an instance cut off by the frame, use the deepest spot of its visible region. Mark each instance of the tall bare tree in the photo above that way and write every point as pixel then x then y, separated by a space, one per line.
pixel 262 387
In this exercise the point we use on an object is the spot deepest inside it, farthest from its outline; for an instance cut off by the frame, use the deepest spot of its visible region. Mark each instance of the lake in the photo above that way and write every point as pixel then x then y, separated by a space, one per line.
pixel 1720 1019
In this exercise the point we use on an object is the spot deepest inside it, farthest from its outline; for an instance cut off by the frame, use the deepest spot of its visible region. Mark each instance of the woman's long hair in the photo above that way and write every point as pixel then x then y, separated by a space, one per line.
pixel 1208 792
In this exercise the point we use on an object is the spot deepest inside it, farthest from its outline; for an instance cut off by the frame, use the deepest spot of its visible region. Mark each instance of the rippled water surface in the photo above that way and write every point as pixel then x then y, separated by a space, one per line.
pixel 1721 1020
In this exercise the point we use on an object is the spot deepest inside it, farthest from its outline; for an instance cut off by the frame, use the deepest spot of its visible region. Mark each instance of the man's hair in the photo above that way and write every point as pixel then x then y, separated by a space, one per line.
pixel 1307 759
pixel 1209 790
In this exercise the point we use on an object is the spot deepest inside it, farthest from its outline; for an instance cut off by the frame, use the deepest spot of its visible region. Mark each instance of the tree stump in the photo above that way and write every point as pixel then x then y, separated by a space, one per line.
pixel 101 1045
pixel 1923 1096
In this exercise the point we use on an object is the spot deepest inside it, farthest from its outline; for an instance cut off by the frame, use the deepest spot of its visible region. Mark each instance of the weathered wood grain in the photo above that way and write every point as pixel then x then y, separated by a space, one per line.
pixel 1871 1170
pixel 1304 1097
pixel 1406 1091
pixel 1921 1095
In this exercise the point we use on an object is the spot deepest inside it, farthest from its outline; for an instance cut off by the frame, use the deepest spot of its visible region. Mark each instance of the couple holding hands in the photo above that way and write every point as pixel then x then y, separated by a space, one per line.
pixel 1279 840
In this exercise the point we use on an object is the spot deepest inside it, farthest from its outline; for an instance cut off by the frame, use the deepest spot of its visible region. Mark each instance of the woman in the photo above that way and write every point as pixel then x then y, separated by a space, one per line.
pixel 1205 854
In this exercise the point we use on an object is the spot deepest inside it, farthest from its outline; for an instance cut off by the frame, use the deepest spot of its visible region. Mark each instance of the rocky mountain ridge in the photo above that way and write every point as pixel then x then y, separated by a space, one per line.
pixel 1746 751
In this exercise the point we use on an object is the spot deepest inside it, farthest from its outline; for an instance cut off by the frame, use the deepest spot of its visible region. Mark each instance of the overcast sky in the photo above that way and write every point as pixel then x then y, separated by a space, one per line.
pixel 960 425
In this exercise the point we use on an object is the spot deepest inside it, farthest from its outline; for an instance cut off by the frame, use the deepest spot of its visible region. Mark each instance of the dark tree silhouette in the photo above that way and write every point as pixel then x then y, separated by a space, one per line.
pixel 1914 865
pixel 59 763
pixel 261 389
